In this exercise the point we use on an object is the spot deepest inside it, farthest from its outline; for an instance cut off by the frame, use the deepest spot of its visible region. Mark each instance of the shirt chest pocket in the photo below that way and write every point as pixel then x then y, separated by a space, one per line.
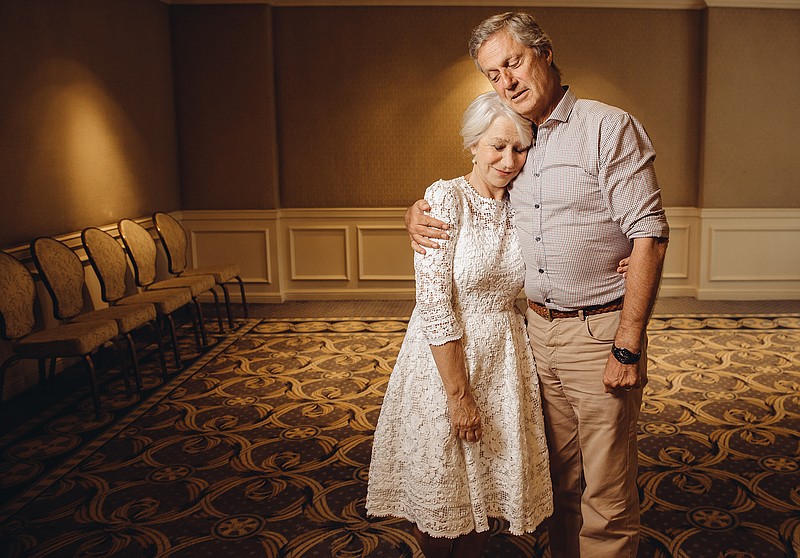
pixel 575 189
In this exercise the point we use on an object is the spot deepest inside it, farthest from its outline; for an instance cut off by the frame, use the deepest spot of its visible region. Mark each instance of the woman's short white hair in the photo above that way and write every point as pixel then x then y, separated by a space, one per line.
pixel 483 111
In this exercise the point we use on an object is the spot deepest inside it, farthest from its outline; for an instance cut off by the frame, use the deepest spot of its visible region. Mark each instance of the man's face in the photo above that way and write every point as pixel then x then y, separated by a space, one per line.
pixel 522 79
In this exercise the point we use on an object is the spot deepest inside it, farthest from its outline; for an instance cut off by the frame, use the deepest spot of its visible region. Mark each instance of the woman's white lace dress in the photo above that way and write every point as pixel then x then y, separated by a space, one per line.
pixel 465 290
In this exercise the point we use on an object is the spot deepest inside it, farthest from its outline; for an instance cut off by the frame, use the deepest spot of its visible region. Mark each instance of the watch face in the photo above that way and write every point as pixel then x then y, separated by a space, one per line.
pixel 625 356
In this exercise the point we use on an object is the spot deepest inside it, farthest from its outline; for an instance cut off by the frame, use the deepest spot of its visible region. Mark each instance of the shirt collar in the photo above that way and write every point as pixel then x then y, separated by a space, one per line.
pixel 564 106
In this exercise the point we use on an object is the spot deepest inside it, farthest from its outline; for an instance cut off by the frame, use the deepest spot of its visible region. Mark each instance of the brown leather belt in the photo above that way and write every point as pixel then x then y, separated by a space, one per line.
pixel 551 315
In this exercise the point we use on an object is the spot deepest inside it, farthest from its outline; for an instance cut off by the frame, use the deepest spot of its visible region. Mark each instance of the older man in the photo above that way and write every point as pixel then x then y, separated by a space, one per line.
pixel 587 198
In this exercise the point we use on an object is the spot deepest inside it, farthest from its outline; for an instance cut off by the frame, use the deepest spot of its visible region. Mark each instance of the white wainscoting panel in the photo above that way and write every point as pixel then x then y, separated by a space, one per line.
pixel 347 253
pixel 750 254
pixel 681 263
pixel 364 253
pixel 246 237
pixel 220 246
pixel 319 253
pixel 384 253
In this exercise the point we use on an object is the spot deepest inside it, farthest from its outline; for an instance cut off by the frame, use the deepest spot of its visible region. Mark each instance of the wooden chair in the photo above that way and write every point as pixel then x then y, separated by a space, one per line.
pixel 142 251
pixel 62 273
pixel 80 339
pixel 173 238
pixel 108 260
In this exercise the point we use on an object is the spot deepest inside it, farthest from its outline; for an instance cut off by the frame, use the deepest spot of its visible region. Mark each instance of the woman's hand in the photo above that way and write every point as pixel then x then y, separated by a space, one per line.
pixel 623 266
pixel 465 419
pixel 422 228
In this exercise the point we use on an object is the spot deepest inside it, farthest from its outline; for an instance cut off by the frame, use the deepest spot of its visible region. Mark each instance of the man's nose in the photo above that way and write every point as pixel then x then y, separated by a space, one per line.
pixel 507 78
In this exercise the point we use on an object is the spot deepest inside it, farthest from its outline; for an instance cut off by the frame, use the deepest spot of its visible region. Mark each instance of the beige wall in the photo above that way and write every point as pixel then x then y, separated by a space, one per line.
pixel 356 106
pixel 370 106
pixel 752 109
pixel 87 124
pixel 225 105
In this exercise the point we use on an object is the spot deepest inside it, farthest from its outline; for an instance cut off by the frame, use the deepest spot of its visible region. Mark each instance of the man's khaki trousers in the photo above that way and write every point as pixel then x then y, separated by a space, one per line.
pixel 591 436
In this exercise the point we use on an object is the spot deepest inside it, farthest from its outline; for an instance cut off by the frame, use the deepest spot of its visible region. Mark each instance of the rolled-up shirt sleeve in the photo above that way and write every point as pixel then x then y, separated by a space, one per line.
pixel 434 270
pixel 628 178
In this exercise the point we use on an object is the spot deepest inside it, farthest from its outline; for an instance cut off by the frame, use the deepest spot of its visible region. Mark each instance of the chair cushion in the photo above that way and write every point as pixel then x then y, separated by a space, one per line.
pixel 74 339
pixel 196 283
pixel 166 301
pixel 129 317
pixel 220 273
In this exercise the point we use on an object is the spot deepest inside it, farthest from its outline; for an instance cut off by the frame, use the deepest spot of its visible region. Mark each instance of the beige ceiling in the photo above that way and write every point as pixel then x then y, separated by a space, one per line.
pixel 642 4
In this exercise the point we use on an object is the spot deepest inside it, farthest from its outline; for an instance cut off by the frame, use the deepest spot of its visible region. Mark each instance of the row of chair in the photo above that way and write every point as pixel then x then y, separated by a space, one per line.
pixel 81 333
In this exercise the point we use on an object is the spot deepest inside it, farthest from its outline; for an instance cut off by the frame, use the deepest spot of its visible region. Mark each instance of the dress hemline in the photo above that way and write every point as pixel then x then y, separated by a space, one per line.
pixel 454 534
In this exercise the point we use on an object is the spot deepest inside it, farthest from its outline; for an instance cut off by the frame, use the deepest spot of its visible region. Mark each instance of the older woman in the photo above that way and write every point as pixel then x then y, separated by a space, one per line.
pixel 460 436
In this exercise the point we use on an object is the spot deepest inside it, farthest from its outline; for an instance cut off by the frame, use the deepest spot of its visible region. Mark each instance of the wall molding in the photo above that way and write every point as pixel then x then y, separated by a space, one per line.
pixel 749 254
pixel 704 259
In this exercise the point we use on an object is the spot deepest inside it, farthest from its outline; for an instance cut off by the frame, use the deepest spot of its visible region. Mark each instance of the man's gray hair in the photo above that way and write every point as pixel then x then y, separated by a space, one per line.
pixel 483 111
pixel 521 26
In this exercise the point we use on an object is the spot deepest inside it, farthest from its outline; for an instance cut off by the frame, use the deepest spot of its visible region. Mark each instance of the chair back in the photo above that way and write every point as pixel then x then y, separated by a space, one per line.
pixel 173 238
pixel 61 271
pixel 17 295
pixel 142 250
pixel 108 261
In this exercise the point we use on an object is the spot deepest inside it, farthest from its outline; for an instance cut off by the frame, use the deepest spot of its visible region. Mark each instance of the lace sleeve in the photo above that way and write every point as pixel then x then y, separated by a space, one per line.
pixel 434 270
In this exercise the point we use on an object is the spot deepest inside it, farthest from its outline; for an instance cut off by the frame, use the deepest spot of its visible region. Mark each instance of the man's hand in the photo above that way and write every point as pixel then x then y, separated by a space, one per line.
pixel 619 377
pixel 423 228
pixel 465 420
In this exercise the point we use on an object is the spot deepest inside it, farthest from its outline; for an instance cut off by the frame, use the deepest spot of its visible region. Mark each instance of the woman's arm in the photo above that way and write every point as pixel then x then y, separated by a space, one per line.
pixel 443 331
pixel 465 420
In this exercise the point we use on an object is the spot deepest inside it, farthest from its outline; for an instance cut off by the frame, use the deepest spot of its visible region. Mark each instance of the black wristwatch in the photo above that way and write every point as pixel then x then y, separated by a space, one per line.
pixel 625 356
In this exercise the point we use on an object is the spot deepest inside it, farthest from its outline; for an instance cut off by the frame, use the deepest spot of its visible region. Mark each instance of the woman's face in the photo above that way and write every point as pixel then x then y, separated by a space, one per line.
pixel 499 154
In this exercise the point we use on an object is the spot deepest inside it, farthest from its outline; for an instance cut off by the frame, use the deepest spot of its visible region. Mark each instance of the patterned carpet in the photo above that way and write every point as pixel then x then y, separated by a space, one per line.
pixel 260 447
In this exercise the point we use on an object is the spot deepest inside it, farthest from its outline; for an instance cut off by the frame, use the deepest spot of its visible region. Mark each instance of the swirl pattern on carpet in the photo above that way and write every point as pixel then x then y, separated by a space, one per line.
pixel 261 447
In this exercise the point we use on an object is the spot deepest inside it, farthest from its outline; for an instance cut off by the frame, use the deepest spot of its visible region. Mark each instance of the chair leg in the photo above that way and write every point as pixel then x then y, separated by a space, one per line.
pixel 123 365
pixel 3 367
pixel 216 305
pixel 162 360
pixel 93 384
pixel 175 350
pixel 199 314
pixel 43 378
pixel 244 300
pixel 137 374
pixel 227 296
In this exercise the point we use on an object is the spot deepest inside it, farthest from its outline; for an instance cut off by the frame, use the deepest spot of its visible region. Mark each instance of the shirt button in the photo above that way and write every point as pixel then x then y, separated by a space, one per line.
pixel 536 206
pixel 538 239
pixel 548 300
pixel 536 175
pixel 541 270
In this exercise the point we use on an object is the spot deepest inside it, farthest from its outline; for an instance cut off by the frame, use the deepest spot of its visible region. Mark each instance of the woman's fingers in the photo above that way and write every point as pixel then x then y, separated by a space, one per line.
pixel 471 432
